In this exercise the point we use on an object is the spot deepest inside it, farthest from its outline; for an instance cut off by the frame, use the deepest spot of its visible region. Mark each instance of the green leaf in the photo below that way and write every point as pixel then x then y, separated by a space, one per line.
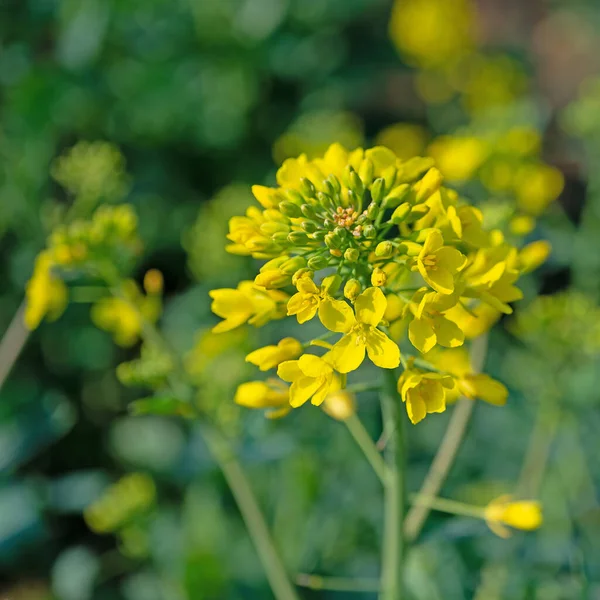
pixel 161 405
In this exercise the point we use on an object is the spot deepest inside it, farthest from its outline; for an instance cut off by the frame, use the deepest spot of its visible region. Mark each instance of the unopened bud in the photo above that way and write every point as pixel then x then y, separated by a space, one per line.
pixel 356 183
pixel 384 249
pixel 378 277
pixel 274 263
pixel 429 185
pixel 400 214
pixel 319 235
pixel 335 252
pixel 301 273
pixel 272 279
pixel 339 405
pixel 324 200
pixel 281 237
pixel 309 226
pixel 372 211
pixel 333 241
pixel 378 190
pixel 389 177
pixel 418 212
pixel 292 265
pixel 352 289
pixel 334 182
pixel 298 238
pixel 331 284
pixel 366 171
pixel 315 263
pixel 370 232
pixel 308 211
pixel 351 255
pixel 307 187
pixel 289 209
pixel 295 197
pixel 271 227
pixel 398 195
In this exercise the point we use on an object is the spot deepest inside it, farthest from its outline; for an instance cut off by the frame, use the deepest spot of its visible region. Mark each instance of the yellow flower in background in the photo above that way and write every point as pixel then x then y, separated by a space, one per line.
pixel 360 332
pixel 124 316
pixel 536 186
pixel 405 140
pixel 533 255
pixel 46 294
pixel 519 514
pixel 432 33
pixel 423 393
pixel 339 405
pixel 457 157
pixel 248 303
pixel 457 362
pixel 311 298
pixel 271 394
pixel 312 378
pixel 270 356
pixel 438 264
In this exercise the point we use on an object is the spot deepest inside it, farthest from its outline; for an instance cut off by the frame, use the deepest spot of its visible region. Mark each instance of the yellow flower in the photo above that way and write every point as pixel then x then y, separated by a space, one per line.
pixel 404 139
pixel 429 325
pixel 533 255
pixel 457 363
pixel 248 303
pixel 537 186
pixel 271 394
pixel 360 332
pixel 247 235
pixel 423 393
pixel 311 298
pixel 46 293
pixel 312 377
pixel 521 514
pixel 458 158
pixel 438 264
pixel 475 321
pixel 270 356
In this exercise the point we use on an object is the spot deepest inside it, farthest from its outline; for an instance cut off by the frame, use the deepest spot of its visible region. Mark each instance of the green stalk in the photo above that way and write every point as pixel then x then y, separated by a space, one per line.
pixel 364 441
pixel 394 487
pixel 251 513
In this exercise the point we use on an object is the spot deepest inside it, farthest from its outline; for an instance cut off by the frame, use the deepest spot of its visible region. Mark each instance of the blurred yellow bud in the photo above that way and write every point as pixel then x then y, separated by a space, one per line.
pixel 522 514
pixel 429 185
pixel 270 356
pixel 272 394
pixel 153 282
pixel 340 405
pixel 352 289
pixel 378 277
pixel 533 255
pixel 272 279
pixel 521 225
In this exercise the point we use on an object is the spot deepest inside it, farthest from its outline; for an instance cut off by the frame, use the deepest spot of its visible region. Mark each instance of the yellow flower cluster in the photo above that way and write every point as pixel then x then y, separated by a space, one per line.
pixel 374 246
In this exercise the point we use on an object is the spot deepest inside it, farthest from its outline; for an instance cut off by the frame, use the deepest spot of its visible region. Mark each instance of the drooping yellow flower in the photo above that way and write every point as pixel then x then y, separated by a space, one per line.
pixel 457 363
pixel 312 378
pixel 46 294
pixel 438 264
pixel 340 405
pixel 270 356
pixel 248 303
pixel 533 255
pixel 360 332
pixel 423 393
pixel 430 325
pixel 520 514
pixel 271 394
pixel 311 298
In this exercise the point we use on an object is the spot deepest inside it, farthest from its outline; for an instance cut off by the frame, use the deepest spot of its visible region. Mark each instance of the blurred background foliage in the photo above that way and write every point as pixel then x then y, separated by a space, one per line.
pixel 178 107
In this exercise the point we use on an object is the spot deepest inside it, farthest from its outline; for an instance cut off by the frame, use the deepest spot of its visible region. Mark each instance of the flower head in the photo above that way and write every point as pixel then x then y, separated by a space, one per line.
pixel 423 393
pixel 270 356
pixel 309 299
pixel 271 394
pixel 360 332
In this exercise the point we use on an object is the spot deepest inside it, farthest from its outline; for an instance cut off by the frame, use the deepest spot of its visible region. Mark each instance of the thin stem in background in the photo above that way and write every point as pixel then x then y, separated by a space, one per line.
pixel 392 567
pixel 448 448
pixel 337 584
pixel 251 513
pixel 365 442
pixel 12 343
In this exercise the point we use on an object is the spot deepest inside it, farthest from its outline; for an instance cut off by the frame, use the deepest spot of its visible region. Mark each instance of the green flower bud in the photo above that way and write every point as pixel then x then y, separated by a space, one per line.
pixel 366 171
pixel 362 218
pixel 301 273
pixel 272 279
pixel 289 209
pixel 295 197
pixel 298 238
pixel 274 263
pixel 333 241
pixel 324 200
pixel 315 263
pixel 429 185
pixel 328 224
pixel 378 277
pixel 331 284
pixel 389 176
pixel 378 190
pixel 384 249
pixel 334 182
pixel 307 187
pixel 290 266
pixel 370 232
pixel 281 237
pixel 372 211
pixel 309 226
pixel 341 232
pixel 308 211
pixel 351 255
pixel 352 289
pixel 400 213
pixel 417 212
pixel 319 235
pixel 271 227
pixel 397 196
pixel 356 183
pixel 328 189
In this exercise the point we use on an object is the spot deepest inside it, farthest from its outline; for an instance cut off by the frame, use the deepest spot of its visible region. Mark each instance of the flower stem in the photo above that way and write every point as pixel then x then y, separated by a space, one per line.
pixel 452 507
pixel 337 584
pixel 12 343
pixel 251 513
pixel 447 450
pixel 363 439
pixel 393 546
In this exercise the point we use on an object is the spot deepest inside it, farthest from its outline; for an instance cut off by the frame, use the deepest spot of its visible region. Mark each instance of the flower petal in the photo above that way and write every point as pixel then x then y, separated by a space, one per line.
pixel 421 335
pixel 450 259
pixel 348 354
pixel 370 306
pixel 448 333
pixel 441 280
pixel 336 315
pixel 289 370
pixel 381 350
pixel 303 389
pixel 433 242
pixel 485 388
pixel 313 366
pixel 415 407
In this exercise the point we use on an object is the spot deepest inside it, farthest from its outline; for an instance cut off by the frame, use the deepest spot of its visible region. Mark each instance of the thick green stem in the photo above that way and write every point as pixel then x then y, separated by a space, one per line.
pixel 251 513
pixel 393 546
pixel 365 442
